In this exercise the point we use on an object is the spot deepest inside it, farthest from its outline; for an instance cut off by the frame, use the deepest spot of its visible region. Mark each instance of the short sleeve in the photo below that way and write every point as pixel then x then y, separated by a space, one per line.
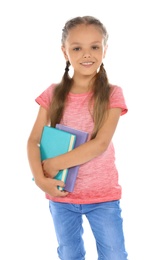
pixel 117 99
pixel 44 99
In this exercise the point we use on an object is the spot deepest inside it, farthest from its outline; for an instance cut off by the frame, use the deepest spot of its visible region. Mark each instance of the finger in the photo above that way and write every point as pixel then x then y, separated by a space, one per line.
pixel 42 163
pixel 63 193
pixel 60 183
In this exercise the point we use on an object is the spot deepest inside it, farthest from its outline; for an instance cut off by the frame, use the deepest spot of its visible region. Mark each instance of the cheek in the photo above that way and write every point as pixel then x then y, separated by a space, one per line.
pixel 74 56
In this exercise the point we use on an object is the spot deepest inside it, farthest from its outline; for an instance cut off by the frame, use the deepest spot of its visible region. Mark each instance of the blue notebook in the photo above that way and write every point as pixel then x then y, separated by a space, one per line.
pixel 55 142
pixel 81 137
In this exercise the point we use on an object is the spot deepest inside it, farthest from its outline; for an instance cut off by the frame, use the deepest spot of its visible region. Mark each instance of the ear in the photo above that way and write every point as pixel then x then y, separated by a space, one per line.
pixel 105 49
pixel 64 53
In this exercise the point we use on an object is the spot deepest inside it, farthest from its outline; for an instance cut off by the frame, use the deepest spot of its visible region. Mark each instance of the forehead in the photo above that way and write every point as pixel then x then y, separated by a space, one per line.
pixel 84 34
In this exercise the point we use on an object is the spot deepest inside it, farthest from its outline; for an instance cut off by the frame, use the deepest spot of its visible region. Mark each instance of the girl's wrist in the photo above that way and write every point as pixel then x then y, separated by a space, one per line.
pixel 39 180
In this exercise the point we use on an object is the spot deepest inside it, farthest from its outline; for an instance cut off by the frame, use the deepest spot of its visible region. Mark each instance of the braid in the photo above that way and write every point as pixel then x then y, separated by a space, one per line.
pixel 67 66
pixel 66 76
pixel 101 93
pixel 59 96
pixel 102 73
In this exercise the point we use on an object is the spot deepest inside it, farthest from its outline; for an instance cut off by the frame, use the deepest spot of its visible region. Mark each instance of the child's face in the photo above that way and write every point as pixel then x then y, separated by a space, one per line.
pixel 84 48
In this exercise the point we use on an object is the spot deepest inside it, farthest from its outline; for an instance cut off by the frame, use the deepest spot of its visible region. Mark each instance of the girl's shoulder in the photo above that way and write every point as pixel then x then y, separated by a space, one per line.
pixel 51 87
pixel 44 99
pixel 114 88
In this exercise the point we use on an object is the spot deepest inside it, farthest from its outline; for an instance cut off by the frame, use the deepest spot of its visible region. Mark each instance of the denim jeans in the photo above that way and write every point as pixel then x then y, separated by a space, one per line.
pixel 106 224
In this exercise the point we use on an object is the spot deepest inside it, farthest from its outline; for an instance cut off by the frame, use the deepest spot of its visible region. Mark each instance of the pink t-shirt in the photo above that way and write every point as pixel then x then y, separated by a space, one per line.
pixel 97 180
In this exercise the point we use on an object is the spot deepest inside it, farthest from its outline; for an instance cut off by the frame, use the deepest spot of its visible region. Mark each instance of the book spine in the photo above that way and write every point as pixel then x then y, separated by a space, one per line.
pixel 63 177
pixel 72 140
pixel 63 173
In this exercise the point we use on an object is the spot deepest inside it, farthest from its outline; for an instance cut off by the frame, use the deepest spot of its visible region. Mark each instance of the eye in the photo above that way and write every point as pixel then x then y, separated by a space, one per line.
pixel 76 48
pixel 95 47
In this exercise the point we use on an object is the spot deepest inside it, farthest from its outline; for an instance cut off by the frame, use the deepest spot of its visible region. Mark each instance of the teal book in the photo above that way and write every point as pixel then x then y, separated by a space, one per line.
pixel 55 142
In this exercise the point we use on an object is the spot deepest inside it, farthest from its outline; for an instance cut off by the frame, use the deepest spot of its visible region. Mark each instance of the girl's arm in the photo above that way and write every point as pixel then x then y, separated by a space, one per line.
pixel 87 151
pixel 48 185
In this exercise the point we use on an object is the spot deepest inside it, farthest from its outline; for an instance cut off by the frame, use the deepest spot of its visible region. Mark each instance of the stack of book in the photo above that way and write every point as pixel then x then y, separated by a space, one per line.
pixel 59 140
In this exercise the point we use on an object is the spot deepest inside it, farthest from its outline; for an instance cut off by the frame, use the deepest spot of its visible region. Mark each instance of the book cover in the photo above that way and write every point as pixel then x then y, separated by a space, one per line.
pixel 81 137
pixel 55 142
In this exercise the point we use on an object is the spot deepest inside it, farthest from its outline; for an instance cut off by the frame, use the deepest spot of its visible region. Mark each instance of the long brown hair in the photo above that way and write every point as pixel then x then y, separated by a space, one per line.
pixel 101 87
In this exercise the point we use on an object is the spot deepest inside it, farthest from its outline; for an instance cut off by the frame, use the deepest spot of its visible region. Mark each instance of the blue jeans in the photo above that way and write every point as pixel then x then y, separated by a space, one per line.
pixel 105 221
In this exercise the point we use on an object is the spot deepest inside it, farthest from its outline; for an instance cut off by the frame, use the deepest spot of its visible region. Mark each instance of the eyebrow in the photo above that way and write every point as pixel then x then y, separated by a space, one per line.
pixel 77 43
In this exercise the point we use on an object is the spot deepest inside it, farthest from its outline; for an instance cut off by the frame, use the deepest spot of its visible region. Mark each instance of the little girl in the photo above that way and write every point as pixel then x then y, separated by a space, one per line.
pixel 88 102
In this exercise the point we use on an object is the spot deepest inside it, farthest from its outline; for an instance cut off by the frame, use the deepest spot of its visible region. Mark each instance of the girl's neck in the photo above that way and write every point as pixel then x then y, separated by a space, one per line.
pixel 81 86
pixel 77 89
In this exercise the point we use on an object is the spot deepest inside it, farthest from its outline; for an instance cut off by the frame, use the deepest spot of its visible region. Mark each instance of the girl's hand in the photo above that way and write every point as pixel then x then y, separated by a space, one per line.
pixel 50 186
pixel 48 169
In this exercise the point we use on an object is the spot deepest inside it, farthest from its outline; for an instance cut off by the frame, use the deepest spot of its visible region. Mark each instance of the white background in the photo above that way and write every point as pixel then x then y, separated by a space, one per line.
pixel 30 60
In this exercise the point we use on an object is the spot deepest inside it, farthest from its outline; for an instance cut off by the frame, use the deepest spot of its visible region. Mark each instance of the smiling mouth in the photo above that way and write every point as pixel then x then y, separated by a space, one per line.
pixel 87 63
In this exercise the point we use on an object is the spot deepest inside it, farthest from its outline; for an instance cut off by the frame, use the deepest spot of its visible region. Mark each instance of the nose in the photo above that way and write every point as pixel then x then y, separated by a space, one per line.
pixel 86 54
